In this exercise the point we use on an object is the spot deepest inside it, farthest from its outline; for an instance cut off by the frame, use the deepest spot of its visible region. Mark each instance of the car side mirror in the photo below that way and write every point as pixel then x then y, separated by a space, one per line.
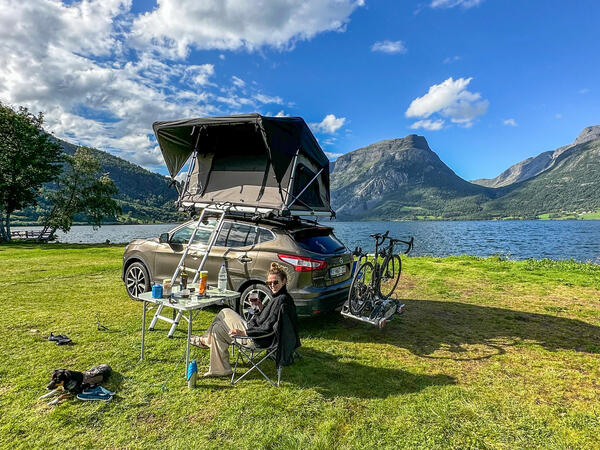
pixel 164 238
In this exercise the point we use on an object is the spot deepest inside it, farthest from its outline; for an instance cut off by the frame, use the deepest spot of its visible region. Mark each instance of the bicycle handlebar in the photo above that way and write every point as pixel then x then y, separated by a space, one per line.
pixel 380 238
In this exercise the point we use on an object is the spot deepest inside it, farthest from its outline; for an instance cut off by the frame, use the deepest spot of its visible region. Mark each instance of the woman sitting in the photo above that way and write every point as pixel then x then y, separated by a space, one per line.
pixel 227 323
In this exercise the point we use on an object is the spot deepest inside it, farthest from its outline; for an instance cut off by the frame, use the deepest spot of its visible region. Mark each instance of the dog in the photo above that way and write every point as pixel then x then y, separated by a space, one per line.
pixel 71 382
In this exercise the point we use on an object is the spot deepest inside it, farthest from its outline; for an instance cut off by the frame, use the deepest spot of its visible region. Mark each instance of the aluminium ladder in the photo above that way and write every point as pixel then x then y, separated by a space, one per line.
pixel 211 242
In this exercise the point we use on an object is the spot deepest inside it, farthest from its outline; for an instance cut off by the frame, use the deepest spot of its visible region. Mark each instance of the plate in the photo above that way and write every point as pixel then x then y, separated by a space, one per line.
pixel 337 271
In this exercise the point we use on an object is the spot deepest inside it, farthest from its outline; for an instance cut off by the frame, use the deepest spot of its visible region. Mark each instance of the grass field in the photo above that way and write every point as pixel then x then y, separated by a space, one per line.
pixel 489 354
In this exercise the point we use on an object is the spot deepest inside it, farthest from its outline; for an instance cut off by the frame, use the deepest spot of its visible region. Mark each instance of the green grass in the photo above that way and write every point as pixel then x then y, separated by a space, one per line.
pixel 489 354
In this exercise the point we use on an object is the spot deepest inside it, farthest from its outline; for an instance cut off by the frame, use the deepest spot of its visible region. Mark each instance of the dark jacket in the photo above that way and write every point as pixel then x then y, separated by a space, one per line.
pixel 280 314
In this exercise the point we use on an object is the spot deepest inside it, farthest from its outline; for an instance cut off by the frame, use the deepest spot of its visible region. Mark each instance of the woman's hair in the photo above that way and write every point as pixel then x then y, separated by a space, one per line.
pixel 279 270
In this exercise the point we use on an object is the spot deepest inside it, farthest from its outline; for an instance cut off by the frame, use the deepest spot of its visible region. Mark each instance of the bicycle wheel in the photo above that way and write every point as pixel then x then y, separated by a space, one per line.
pixel 390 275
pixel 361 291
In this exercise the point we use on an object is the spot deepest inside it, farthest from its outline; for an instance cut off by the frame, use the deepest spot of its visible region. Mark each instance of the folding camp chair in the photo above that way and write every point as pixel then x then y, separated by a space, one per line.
pixel 248 350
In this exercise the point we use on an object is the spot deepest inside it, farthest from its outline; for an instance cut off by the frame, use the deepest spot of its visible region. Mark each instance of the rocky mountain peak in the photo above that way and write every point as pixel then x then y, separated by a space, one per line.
pixel 588 134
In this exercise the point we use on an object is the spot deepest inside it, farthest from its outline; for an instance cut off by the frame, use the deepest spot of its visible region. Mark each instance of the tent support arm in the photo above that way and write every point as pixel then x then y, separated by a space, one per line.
pixel 292 176
pixel 297 197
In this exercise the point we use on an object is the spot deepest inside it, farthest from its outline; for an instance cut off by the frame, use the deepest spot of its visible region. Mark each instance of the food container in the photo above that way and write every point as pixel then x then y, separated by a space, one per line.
pixel 167 288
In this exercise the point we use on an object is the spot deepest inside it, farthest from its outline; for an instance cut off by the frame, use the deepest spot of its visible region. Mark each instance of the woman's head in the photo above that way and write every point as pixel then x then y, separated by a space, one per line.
pixel 276 277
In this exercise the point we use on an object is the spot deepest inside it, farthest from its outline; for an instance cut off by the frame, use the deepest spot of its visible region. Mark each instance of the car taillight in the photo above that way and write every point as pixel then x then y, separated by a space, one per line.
pixel 302 263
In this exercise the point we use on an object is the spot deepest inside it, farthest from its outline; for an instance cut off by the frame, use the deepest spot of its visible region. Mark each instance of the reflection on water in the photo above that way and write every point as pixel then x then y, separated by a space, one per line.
pixel 517 239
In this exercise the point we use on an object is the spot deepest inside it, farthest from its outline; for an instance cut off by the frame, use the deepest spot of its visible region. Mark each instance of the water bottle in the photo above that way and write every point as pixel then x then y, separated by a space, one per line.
pixel 192 374
pixel 222 279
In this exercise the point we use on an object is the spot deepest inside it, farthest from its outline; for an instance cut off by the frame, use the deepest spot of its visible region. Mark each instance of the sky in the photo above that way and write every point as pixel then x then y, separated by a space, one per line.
pixel 487 82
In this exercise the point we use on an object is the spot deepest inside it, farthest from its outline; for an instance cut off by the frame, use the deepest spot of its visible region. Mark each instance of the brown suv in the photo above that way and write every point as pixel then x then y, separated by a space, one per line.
pixel 318 264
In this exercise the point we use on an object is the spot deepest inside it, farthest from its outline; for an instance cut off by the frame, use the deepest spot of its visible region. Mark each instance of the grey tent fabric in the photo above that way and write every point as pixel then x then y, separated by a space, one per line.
pixel 249 160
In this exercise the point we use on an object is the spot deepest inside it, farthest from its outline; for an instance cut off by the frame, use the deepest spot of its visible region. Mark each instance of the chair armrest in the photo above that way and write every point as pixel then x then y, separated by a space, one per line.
pixel 236 337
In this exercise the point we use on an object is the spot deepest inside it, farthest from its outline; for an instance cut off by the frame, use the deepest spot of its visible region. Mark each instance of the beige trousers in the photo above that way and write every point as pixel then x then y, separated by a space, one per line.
pixel 218 339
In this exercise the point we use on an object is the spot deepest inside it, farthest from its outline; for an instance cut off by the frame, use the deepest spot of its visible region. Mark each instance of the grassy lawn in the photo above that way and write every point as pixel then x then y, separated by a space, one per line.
pixel 489 354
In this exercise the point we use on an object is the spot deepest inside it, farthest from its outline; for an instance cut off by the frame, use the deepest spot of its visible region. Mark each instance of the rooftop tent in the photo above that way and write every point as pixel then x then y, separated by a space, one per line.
pixel 249 162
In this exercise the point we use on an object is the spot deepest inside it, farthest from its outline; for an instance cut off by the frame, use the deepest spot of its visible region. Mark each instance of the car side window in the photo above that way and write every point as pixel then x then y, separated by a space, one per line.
pixel 235 235
pixel 265 235
pixel 182 236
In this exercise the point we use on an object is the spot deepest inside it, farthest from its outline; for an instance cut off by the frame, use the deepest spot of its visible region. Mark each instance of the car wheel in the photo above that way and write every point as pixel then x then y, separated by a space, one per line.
pixel 264 293
pixel 137 279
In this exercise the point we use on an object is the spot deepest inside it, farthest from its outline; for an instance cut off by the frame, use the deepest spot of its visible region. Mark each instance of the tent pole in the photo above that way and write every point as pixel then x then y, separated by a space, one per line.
pixel 292 176
pixel 189 174
pixel 297 197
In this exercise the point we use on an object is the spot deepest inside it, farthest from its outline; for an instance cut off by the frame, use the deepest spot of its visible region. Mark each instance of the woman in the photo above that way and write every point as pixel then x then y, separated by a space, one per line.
pixel 229 323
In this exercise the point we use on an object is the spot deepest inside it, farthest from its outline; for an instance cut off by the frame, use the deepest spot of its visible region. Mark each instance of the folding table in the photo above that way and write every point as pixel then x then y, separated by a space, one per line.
pixel 213 297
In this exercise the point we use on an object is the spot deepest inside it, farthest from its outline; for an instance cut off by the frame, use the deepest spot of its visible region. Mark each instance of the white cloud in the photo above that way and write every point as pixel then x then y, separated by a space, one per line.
pixel 238 81
pixel 510 122
pixel 450 99
pixel 266 99
pixel 176 26
pixel 282 114
pixel 558 116
pixel 451 59
pixel 200 74
pixel 444 4
pixel 390 47
pixel 431 125
pixel 583 91
pixel 85 64
pixel 330 124
pixel 333 156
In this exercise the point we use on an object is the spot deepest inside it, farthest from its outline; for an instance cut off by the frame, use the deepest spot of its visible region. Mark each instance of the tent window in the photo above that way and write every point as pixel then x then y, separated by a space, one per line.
pixel 311 196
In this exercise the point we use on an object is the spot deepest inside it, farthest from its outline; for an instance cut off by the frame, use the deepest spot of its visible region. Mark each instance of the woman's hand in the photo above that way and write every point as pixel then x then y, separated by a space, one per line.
pixel 236 332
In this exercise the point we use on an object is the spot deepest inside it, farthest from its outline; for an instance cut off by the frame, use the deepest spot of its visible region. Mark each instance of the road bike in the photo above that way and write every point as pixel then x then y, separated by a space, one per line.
pixel 374 283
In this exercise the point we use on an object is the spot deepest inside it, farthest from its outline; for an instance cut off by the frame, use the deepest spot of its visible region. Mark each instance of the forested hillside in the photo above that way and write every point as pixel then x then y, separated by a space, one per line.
pixel 144 196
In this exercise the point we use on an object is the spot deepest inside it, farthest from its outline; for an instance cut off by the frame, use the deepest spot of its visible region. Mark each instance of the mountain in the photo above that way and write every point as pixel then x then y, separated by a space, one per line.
pixel 405 179
pixel 401 179
pixel 535 165
pixel 571 185
pixel 144 196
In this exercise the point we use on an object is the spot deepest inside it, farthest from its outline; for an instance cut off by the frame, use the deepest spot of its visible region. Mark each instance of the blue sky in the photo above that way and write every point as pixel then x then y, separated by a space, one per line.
pixel 487 82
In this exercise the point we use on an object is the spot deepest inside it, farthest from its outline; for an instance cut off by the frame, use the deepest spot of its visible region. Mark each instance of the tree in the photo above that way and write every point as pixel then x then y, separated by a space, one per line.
pixel 28 158
pixel 80 189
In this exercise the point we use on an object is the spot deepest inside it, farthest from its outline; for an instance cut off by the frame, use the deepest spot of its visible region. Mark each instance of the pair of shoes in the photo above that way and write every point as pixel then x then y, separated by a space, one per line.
pixel 60 339
pixel 96 393
pixel 215 375
pixel 198 342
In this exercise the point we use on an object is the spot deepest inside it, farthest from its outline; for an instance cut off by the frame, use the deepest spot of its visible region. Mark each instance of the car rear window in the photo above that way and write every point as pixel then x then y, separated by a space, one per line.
pixel 319 241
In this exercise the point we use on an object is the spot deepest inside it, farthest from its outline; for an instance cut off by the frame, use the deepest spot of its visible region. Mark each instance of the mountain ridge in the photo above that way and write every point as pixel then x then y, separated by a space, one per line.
pixel 398 179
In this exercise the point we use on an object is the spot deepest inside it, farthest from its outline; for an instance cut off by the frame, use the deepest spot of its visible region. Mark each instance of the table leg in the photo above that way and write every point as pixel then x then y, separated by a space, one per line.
pixel 143 330
pixel 187 349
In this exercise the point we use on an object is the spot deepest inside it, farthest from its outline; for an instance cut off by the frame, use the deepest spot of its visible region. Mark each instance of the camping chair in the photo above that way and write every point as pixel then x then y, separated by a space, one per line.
pixel 249 351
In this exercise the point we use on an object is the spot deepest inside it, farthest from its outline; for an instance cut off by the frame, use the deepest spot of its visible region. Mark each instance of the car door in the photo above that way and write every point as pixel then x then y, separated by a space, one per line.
pixel 236 248
pixel 169 254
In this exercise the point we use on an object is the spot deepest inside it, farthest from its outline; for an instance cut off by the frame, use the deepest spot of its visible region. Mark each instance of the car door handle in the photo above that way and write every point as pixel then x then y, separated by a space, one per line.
pixel 244 259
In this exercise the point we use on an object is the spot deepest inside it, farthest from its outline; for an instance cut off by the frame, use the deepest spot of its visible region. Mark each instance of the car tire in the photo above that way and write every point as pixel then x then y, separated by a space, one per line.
pixel 243 305
pixel 137 279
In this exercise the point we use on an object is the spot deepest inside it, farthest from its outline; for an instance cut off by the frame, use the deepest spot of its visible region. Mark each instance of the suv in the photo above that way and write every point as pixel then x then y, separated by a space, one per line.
pixel 318 264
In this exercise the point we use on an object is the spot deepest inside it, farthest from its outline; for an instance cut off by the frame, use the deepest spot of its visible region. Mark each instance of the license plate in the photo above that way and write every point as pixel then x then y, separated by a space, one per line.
pixel 337 271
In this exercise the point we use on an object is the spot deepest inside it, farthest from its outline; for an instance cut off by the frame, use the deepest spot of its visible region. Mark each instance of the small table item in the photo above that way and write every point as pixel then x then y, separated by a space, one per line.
pixel 212 297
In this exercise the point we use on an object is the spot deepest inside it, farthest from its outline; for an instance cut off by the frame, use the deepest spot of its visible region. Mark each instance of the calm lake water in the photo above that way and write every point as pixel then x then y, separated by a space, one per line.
pixel 579 240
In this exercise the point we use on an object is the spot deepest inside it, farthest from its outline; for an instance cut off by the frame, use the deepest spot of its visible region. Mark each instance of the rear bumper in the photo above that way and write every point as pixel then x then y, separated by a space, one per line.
pixel 312 300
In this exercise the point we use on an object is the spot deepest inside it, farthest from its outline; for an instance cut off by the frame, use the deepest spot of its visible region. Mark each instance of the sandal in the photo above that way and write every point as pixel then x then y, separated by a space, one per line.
pixel 198 342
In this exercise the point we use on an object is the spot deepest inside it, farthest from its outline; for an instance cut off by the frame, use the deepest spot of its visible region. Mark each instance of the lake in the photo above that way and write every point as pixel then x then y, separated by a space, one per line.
pixel 513 239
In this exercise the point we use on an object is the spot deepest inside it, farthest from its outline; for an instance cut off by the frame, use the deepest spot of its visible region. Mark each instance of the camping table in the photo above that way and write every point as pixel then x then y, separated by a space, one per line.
pixel 213 297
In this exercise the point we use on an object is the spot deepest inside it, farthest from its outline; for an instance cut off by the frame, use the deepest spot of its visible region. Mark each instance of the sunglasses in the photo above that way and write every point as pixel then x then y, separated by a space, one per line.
pixel 272 283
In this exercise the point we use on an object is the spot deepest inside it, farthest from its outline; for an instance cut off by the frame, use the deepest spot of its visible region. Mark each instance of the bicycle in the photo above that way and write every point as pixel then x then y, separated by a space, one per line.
pixel 368 288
